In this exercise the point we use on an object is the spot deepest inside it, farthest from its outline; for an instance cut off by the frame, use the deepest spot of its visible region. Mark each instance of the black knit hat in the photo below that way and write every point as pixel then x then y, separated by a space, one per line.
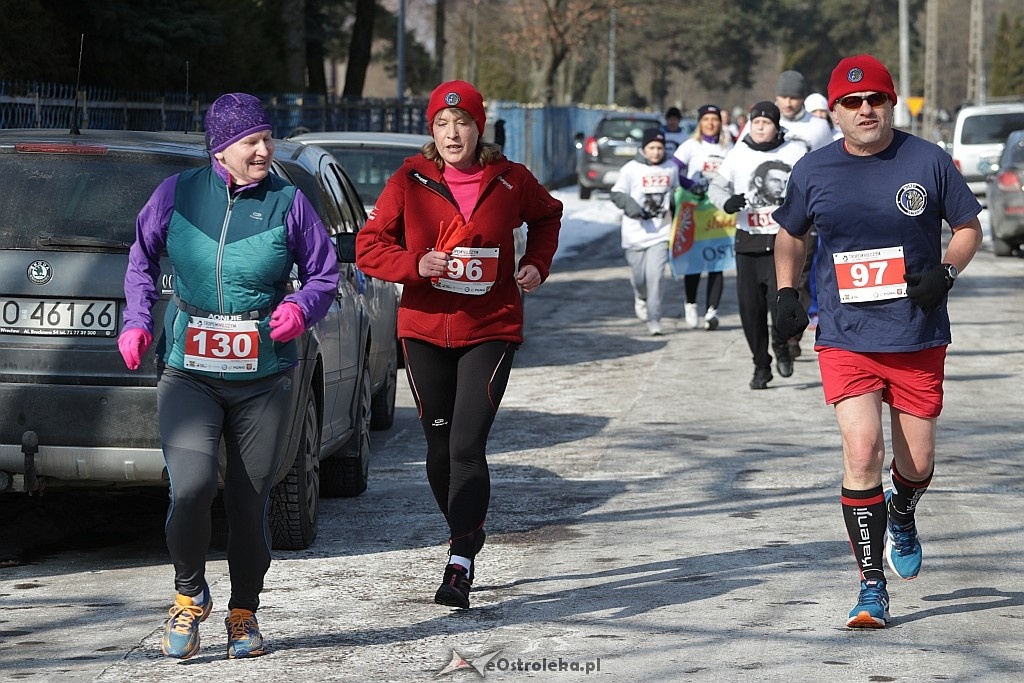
pixel 766 109
pixel 652 135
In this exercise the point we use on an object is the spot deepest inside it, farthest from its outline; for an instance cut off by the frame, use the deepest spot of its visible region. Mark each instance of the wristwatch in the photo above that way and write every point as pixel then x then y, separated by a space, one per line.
pixel 951 273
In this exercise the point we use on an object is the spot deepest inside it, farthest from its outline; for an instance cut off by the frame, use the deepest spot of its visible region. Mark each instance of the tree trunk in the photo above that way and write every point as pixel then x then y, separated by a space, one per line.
pixel 359 49
pixel 439 41
pixel 293 21
pixel 315 48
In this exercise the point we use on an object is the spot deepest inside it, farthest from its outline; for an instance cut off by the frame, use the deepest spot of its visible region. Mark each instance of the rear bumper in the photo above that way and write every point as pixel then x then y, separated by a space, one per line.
pixel 1007 222
pixel 94 434
pixel 109 466
pixel 599 176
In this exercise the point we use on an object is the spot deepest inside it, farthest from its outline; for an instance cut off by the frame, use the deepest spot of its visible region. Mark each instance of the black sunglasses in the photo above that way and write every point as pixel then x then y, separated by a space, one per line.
pixel 853 102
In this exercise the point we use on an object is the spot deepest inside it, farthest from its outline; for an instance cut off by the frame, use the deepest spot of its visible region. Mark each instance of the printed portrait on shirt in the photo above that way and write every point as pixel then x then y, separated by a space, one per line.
pixel 768 184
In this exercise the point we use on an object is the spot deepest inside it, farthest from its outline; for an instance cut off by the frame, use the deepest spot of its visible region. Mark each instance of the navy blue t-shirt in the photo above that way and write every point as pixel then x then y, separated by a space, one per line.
pixel 893 200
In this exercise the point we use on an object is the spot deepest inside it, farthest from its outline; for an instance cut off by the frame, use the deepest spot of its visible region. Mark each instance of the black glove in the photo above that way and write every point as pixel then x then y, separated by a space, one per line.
pixel 790 316
pixel 928 289
pixel 734 203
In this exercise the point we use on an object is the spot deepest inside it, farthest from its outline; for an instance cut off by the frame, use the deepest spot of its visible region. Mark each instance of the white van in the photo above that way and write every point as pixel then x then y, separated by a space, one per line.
pixel 979 134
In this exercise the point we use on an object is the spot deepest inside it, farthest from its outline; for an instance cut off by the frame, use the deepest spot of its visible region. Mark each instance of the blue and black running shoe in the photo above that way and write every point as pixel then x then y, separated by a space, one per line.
pixel 872 608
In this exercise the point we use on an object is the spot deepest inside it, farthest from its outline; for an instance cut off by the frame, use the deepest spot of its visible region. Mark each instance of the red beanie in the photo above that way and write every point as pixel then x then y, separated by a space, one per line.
pixel 860 73
pixel 457 94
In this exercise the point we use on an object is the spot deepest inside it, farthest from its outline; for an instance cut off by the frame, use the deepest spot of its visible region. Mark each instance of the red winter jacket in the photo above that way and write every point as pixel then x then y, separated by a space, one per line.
pixel 405 223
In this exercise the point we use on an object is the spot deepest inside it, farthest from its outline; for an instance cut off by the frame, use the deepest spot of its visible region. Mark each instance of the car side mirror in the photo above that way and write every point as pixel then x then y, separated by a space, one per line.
pixel 345 243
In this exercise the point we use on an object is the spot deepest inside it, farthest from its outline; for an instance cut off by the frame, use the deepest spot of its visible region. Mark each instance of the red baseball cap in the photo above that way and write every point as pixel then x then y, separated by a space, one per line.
pixel 458 94
pixel 860 73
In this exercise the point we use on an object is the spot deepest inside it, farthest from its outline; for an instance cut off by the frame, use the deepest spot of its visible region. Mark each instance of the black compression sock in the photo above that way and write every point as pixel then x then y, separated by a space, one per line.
pixel 905 494
pixel 864 514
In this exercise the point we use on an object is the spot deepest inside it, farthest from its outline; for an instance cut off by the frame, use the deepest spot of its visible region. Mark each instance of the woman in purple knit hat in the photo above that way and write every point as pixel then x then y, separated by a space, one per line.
pixel 233 232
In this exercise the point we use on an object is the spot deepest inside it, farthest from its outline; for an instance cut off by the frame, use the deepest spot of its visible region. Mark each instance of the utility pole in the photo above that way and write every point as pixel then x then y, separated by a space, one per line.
pixel 931 58
pixel 902 114
pixel 975 64
pixel 400 49
pixel 611 60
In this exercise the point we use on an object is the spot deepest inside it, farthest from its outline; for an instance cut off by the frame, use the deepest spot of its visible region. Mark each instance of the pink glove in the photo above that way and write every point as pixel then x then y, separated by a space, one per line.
pixel 132 343
pixel 287 322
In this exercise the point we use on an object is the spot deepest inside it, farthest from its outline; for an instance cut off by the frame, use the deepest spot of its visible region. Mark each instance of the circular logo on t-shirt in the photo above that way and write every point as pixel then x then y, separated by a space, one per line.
pixel 912 199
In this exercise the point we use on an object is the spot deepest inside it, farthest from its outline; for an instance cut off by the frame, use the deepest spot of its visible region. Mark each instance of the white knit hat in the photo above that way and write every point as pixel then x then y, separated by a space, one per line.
pixel 815 101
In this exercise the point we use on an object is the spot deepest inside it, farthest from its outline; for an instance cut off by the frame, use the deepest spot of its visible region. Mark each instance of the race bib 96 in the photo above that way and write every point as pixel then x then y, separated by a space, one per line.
pixel 471 270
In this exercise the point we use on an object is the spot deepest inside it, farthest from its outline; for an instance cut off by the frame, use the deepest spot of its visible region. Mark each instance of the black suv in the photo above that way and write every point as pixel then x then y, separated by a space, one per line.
pixel 615 140
pixel 73 413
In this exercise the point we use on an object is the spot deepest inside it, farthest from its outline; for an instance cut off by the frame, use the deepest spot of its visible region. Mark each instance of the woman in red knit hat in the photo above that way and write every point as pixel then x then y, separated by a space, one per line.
pixel 444 228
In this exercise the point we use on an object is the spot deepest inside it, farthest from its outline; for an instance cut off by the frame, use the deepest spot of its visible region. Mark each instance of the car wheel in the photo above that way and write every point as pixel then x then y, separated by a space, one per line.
pixel 345 474
pixel 382 408
pixel 585 192
pixel 295 501
pixel 1001 247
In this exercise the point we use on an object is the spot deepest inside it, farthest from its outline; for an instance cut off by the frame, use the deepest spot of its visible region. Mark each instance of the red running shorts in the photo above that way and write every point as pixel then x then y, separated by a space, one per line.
pixel 911 382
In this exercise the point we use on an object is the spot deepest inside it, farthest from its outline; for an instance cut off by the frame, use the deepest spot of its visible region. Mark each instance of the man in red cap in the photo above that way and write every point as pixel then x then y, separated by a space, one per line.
pixel 879 199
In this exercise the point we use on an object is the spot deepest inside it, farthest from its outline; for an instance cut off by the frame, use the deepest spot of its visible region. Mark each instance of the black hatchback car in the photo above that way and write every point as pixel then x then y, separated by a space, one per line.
pixel 615 140
pixel 74 415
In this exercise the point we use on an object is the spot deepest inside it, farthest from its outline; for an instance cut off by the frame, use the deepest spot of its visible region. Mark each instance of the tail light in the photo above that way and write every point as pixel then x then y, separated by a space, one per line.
pixel 590 146
pixel 956 162
pixel 1009 181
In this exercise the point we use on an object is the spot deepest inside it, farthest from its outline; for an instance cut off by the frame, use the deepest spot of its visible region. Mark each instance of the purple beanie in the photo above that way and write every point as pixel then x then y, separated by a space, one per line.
pixel 233 116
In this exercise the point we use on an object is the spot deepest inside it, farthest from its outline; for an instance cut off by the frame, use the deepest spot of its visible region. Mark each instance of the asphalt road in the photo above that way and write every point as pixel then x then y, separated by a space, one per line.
pixel 652 519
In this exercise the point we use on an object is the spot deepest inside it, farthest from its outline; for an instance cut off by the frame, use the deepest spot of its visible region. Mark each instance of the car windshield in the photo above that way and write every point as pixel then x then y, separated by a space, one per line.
pixel 620 129
pixel 369 167
pixel 86 200
pixel 990 128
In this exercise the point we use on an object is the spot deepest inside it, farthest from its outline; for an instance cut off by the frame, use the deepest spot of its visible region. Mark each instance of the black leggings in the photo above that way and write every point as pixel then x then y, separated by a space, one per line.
pixel 714 291
pixel 252 417
pixel 457 392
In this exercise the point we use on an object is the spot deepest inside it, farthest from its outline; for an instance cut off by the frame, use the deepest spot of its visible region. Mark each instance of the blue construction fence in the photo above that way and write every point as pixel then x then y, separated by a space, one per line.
pixel 538 136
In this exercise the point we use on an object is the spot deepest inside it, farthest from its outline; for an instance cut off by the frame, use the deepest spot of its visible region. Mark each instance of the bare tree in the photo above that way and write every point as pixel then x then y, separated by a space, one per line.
pixel 547 32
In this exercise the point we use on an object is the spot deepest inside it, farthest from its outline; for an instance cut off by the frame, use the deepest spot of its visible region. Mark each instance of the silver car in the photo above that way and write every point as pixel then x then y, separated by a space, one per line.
pixel 369 158
pixel 1006 197
pixel 74 415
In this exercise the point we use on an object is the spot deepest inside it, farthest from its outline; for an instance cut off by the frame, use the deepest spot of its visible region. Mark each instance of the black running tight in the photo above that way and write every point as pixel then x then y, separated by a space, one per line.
pixel 457 392
pixel 714 291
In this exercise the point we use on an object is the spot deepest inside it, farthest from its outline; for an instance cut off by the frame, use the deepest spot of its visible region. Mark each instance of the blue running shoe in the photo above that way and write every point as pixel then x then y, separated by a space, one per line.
pixel 181 634
pixel 244 637
pixel 902 546
pixel 872 608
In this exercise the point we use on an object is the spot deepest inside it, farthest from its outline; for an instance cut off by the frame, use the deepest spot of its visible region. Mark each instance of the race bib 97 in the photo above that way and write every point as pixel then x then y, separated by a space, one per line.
pixel 870 275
